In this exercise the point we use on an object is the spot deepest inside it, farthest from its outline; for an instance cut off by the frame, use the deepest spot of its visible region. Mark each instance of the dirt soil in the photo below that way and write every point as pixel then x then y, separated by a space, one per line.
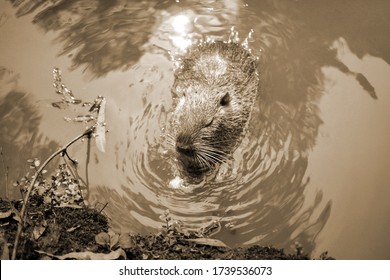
pixel 81 233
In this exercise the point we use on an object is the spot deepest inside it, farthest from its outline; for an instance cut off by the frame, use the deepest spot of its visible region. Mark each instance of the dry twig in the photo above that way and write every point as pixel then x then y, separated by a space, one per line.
pixel 62 150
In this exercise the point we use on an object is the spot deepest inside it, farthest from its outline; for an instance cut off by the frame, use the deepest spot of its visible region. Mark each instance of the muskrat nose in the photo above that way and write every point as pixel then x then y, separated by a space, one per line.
pixel 187 151
pixel 184 145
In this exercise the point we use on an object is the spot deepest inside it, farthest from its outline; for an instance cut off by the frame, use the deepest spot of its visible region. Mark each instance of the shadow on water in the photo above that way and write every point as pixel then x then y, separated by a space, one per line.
pixel 100 35
pixel 309 30
pixel 19 134
pixel 294 40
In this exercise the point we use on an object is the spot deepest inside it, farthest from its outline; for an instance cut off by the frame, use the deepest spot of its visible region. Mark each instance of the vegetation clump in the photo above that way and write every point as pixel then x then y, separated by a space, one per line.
pixel 68 232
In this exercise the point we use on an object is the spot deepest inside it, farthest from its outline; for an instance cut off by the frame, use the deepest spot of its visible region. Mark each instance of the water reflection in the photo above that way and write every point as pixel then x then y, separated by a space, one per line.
pixel 103 36
pixel 259 197
pixel 19 134
pixel 303 33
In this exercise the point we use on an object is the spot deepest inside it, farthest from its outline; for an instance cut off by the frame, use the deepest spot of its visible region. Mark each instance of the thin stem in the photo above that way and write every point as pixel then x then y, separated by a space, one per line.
pixel 87 165
pixel 67 155
pixel 88 133
pixel 75 174
pixel 105 205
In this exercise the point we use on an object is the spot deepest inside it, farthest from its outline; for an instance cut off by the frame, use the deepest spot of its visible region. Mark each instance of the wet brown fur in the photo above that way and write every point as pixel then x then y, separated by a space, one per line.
pixel 216 85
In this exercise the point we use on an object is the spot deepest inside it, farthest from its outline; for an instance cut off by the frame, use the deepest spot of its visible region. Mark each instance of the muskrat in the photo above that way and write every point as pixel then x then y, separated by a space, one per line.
pixel 216 85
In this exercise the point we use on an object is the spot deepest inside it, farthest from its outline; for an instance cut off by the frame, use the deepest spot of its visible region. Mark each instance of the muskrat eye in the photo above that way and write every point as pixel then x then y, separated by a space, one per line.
pixel 225 100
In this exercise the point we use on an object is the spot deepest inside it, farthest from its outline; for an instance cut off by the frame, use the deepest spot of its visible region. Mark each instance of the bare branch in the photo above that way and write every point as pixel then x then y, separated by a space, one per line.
pixel 62 150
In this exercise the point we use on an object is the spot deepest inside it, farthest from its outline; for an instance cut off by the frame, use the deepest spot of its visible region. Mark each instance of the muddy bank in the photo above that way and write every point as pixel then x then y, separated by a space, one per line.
pixel 76 232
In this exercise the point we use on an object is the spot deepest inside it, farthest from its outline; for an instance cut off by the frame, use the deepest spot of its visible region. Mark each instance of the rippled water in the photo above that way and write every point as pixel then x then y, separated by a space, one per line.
pixel 313 164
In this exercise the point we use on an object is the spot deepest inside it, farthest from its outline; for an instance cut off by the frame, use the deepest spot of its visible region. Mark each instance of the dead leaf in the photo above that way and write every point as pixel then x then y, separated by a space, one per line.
pixel 16 216
pixel 51 237
pixel 114 255
pixel 38 231
pixel 4 251
pixel 209 242
pixel 73 228
pixel 47 199
pixel 114 241
pixel 110 232
pixel 4 215
pixel 69 206
pixel 125 241
pixel 102 239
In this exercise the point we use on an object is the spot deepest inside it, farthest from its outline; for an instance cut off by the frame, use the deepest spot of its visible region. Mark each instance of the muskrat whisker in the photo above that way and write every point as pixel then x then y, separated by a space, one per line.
pixel 203 161
pixel 171 142
pixel 213 141
pixel 170 139
pixel 205 164
pixel 212 151
pixel 214 157
pixel 208 147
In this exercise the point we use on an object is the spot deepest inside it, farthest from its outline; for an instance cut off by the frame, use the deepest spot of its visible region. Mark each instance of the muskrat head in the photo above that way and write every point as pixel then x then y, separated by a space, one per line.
pixel 215 89
pixel 203 129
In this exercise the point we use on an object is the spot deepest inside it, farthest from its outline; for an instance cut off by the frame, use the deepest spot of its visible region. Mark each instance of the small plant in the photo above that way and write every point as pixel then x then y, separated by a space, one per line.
pixel 63 188
pixel 298 249
pixel 325 256
pixel 112 241
pixel 169 226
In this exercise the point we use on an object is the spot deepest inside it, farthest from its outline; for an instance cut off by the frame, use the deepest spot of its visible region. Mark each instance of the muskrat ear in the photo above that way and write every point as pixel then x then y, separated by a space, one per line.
pixel 225 100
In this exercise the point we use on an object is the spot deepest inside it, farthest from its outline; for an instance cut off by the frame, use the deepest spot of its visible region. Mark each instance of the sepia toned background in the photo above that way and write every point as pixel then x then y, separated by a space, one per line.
pixel 314 165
